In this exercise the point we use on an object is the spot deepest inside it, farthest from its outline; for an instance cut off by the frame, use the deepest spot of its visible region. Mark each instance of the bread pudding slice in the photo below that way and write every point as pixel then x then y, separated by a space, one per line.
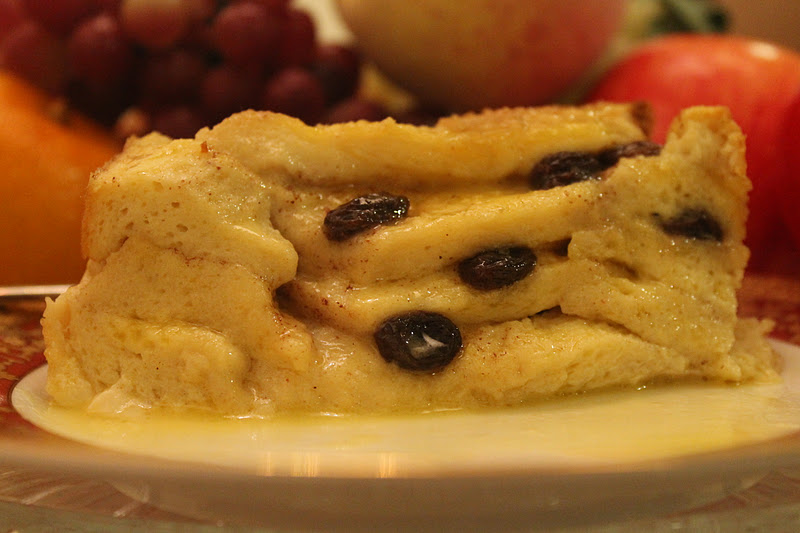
pixel 490 260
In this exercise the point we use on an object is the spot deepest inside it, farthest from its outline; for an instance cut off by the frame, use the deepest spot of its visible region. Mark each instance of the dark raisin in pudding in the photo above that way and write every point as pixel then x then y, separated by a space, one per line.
pixel 419 340
pixel 495 269
pixel 362 214
pixel 490 260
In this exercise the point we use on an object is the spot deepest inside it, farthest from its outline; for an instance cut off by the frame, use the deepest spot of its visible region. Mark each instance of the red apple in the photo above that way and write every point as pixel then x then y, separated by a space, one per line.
pixel 755 79
pixel 790 149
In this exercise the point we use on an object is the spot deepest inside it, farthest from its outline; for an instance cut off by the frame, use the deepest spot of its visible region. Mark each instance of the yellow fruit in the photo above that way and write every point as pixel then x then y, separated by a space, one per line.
pixel 46 155
pixel 470 54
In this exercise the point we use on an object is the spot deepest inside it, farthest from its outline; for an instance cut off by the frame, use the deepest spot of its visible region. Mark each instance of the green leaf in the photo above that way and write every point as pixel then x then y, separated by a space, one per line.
pixel 690 16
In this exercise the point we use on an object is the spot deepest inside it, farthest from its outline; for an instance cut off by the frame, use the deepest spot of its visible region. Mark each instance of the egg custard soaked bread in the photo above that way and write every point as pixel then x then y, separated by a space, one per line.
pixel 493 259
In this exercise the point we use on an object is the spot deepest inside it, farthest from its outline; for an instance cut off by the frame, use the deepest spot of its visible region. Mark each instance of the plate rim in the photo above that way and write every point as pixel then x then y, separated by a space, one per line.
pixel 92 461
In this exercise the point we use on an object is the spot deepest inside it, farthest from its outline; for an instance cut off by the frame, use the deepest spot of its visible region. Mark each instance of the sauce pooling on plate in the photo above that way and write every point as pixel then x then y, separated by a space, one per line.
pixel 583 431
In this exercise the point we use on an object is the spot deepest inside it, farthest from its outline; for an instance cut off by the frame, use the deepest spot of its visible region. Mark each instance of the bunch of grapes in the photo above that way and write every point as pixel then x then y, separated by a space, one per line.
pixel 177 65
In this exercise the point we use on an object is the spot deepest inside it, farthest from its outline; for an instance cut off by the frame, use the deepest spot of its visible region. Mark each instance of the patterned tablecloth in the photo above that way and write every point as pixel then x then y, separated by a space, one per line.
pixel 30 500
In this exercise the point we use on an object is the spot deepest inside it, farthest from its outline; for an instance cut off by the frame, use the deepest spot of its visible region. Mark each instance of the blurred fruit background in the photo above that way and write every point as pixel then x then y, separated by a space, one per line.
pixel 46 154
pixel 79 76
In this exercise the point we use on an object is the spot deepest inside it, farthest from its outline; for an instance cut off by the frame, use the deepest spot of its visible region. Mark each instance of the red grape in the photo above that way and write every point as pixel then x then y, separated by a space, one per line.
pixel 172 76
pixel 299 39
pixel 98 51
pixel 178 65
pixel 59 16
pixel 11 15
pixel 108 6
pixel 155 24
pixel 295 91
pixel 33 53
pixel 199 10
pixel 178 122
pixel 226 90
pixel 247 33
pixel 355 108
pixel 275 6
pixel 338 68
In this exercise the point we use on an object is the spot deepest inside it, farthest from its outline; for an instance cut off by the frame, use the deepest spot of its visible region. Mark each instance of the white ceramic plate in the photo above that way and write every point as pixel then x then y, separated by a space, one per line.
pixel 579 461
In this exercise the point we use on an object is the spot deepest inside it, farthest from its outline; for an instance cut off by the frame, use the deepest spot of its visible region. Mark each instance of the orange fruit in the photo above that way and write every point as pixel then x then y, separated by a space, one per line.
pixel 47 153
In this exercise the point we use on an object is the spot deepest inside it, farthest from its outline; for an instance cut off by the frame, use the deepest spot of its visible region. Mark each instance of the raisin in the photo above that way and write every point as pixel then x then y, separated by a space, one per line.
pixel 564 168
pixel 419 340
pixel 611 156
pixel 495 269
pixel 695 223
pixel 364 213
